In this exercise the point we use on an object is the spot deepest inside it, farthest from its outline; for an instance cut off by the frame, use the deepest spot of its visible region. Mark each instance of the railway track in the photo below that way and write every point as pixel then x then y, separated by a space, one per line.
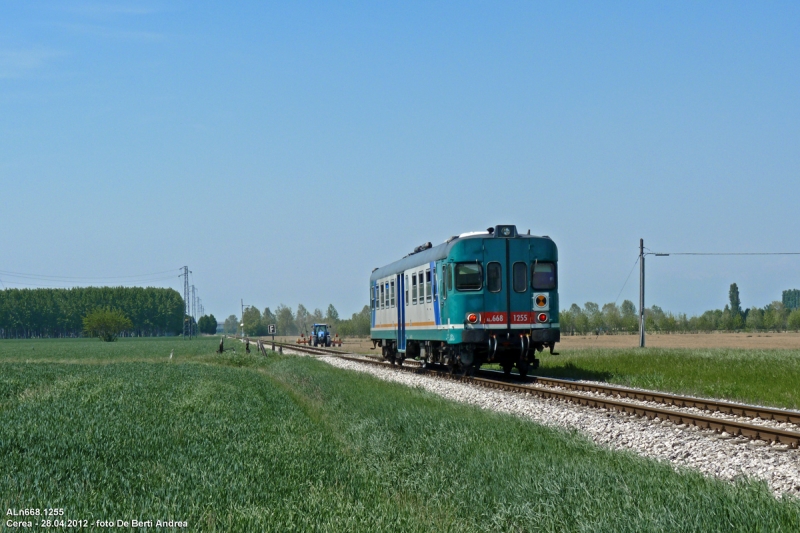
pixel 612 397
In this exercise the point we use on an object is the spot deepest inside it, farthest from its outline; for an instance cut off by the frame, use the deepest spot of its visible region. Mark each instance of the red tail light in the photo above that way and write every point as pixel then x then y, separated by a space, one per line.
pixel 473 318
pixel 542 317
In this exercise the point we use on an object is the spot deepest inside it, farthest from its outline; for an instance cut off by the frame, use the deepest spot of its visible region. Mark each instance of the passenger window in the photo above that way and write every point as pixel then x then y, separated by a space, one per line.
pixel 391 294
pixel 428 286
pixel 371 298
pixel 382 296
pixel 544 276
pixel 469 276
pixel 414 289
pixel 407 300
pixel 422 287
pixel 494 277
pixel 520 274
pixel 442 280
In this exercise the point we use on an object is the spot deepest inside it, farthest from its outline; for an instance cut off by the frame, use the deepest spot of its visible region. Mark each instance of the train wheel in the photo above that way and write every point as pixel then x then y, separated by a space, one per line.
pixel 523 367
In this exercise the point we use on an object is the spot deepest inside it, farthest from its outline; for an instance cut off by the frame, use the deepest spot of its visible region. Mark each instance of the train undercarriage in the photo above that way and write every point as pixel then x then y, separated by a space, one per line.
pixel 506 349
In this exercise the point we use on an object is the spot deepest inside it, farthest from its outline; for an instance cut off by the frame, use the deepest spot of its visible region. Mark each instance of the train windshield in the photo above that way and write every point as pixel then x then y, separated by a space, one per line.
pixel 494 277
pixel 544 276
pixel 469 276
pixel 520 273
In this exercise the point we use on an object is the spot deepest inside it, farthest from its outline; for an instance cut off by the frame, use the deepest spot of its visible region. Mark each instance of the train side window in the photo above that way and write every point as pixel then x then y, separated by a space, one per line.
pixel 428 285
pixel 414 289
pixel 469 276
pixel 448 278
pixel 443 280
pixel 494 277
pixel 382 296
pixel 407 300
pixel 422 287
pixel 371 298
pixel 544 276
pixel 391 294
pixel 520 275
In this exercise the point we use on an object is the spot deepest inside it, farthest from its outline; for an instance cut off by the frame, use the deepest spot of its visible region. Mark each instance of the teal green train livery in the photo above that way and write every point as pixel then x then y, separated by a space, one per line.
pixel 482 297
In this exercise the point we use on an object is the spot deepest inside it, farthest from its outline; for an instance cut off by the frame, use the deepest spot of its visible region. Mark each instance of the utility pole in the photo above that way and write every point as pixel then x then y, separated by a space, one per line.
pixel 194 308
pixel 242 316
pixel 641 293
pixel 186 313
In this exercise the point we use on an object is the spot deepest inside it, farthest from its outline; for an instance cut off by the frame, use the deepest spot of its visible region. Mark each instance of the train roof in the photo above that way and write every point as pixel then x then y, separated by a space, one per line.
pixel 436 253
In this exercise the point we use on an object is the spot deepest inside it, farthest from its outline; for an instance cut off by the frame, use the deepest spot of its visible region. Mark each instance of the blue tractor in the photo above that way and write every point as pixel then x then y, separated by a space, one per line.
pixel 320 336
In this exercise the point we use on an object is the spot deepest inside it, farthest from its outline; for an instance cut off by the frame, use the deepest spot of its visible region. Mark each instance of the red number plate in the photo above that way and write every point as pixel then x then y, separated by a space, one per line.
pixel 494 318
pixel 520 318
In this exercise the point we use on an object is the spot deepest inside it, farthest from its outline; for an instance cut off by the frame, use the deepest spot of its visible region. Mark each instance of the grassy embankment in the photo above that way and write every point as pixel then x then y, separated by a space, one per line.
pixel 767 377
pixel 240 442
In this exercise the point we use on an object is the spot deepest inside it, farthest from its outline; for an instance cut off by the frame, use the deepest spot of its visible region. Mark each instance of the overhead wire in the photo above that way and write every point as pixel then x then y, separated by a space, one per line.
pixel 626 280
pixel 46 277
pixel 724 253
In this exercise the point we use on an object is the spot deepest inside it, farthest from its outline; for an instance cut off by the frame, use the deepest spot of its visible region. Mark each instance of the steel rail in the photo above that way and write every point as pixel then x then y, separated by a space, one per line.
pixel 720 406
pixel 545 390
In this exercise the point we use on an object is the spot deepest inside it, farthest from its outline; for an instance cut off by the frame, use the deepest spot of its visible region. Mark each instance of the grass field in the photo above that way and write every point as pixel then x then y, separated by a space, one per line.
pixel 243 443
pixel 767 377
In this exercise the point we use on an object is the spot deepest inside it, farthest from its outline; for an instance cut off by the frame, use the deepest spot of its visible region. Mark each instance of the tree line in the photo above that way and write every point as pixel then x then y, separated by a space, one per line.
pixel 613 319
pixel 290 322
pixel 26 313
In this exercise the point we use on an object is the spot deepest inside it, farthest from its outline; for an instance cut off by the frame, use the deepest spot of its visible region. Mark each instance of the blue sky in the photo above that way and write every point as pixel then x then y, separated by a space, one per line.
pixel 283 150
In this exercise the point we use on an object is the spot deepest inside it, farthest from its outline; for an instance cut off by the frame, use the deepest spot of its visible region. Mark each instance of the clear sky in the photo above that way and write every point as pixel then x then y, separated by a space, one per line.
pixel 282 150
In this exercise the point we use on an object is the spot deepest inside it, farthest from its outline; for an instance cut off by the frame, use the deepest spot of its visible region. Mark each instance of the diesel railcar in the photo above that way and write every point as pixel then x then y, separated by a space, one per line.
pixel 481 297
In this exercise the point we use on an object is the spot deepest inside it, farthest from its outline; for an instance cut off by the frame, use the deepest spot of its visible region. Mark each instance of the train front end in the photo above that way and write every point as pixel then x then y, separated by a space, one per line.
pixel 501 298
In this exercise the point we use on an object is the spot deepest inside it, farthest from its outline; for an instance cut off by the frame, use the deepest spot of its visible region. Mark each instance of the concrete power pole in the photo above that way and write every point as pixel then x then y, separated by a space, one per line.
pixel 194 311
pixel 641 293
pixel 186 310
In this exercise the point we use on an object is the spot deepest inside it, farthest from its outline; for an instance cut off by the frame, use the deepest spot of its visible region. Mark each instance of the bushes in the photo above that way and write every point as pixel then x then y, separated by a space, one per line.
pixel 106 324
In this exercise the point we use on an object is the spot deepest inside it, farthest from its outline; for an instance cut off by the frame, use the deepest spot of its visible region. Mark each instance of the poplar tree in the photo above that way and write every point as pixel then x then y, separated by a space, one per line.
pixel 733 297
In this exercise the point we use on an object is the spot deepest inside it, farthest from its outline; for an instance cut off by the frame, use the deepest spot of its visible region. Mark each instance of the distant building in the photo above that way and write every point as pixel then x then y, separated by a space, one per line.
pixel 791 299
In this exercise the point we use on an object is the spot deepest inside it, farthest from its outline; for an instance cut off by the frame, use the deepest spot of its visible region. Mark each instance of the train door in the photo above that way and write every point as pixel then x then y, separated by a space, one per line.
pixel 445 288
pixel 401 312
pixel 495 294
pixel 519 284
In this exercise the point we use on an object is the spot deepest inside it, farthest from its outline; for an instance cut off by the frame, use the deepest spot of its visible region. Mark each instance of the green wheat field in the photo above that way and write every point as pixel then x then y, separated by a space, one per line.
pixel 244 442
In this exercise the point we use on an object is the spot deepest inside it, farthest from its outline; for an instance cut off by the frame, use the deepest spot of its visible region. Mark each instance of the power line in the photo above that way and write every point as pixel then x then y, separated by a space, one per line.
pixel 47 277
pixel 665 254
pixel 50 286
pixel 626 280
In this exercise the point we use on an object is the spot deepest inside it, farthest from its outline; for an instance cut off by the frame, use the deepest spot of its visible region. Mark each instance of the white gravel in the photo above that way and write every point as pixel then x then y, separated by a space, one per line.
pixel 684 446
pixel 767 423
